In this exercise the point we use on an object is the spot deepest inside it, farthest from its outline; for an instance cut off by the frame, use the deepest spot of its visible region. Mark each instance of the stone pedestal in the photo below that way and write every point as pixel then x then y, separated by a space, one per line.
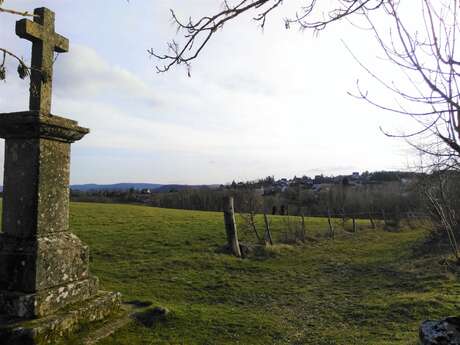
pixel 44 268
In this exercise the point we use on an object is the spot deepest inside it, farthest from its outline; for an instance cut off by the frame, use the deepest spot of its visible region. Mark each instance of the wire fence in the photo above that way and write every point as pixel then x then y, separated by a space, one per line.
pixel 292 228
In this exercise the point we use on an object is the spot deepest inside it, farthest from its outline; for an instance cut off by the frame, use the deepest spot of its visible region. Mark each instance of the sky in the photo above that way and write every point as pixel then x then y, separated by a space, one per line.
pixel 259 103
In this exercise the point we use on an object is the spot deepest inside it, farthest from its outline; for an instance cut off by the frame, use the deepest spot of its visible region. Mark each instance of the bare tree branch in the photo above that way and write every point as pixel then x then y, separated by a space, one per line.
pixel 18 13
pixel 197 34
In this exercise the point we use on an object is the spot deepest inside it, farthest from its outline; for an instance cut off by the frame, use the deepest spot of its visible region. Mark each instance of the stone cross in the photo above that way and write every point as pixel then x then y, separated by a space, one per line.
pixel 45 42
pixel 44 267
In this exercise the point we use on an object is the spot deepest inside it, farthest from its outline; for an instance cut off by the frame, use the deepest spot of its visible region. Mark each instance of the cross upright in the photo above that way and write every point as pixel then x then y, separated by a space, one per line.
pixel 45 41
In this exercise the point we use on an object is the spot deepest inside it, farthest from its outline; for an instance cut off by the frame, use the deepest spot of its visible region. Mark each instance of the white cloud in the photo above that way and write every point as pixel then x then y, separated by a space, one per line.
pixel 85 74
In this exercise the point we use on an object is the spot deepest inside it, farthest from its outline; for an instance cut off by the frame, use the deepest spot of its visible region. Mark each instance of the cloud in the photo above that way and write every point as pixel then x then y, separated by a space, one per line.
pixel 85 74
pixel 117 129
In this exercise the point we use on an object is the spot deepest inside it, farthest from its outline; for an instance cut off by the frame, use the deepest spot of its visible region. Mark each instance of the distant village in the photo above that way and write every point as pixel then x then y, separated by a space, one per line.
pixel 270 185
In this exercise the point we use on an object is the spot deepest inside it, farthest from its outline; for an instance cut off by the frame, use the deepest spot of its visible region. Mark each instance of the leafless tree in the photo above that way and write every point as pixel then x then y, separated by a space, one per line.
pixel 426 54
pixel 441 192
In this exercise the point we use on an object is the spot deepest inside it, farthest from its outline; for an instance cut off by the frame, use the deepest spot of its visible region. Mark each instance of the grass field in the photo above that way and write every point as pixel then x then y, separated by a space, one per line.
pixel 372 287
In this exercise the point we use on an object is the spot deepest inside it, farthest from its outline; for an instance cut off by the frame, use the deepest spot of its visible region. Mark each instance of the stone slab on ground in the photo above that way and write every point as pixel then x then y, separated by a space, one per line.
pixel 444 332
pixel 52 329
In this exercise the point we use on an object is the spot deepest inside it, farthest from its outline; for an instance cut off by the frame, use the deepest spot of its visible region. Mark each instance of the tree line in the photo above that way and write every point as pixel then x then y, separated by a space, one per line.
pixel 384 195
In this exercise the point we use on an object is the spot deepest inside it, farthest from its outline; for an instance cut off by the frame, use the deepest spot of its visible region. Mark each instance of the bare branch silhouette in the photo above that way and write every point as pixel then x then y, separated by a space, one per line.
pixel 197 33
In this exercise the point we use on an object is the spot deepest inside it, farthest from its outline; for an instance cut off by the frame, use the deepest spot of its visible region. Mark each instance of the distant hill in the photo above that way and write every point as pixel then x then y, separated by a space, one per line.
pixel 178 187
pixel 138 186
pixel 116 186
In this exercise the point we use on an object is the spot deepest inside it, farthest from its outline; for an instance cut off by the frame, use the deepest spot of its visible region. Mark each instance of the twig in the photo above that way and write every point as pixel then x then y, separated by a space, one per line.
pixel 18 13
pixel 7 52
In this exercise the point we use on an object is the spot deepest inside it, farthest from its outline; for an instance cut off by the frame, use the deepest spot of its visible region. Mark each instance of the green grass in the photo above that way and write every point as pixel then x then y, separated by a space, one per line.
pixel 373 287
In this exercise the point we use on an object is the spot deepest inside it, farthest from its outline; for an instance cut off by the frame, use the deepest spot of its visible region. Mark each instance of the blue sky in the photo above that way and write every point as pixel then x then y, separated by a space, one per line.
pixel 258 103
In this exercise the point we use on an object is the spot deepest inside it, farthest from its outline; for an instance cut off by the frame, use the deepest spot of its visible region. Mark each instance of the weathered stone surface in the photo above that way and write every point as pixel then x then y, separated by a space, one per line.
pixel 45 302
pixel 17 264
pixel 51 329
pixel 51 300
pixel 43 263
pixel 62 259
pixel 32 124
pixel 53 187
pixel 39 168
pixel 444 332
pixel 19 217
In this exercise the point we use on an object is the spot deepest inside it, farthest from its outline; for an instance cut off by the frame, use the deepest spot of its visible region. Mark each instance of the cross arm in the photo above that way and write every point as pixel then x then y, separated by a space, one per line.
pixel 28 30
pixel 61 44
pixel 33 31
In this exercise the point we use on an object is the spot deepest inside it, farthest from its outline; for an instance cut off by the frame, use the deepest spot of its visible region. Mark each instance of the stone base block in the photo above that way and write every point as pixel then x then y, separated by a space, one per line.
pixel 43 262
pixel 45 302
pixel 54 328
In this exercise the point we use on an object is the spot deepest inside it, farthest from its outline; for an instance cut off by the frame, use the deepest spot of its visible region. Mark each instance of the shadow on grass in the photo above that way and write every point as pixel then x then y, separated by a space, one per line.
pixel 152 316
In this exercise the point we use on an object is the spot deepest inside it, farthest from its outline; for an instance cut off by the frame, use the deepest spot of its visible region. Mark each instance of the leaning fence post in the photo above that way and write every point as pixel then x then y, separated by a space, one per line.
pixel 230 226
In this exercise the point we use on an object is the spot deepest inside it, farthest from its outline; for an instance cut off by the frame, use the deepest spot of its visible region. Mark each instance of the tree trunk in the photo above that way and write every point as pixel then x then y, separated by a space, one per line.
pixel 230 226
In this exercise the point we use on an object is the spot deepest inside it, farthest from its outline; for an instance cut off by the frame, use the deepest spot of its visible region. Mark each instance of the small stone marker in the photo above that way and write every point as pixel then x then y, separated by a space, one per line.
pixel 43 266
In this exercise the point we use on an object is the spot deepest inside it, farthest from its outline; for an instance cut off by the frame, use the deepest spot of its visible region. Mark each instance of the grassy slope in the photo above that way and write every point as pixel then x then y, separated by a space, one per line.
pixel 367 288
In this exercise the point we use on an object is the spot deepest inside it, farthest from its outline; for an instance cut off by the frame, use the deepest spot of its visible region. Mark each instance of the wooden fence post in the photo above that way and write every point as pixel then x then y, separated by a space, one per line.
pixel 354 224
pixel 230 226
